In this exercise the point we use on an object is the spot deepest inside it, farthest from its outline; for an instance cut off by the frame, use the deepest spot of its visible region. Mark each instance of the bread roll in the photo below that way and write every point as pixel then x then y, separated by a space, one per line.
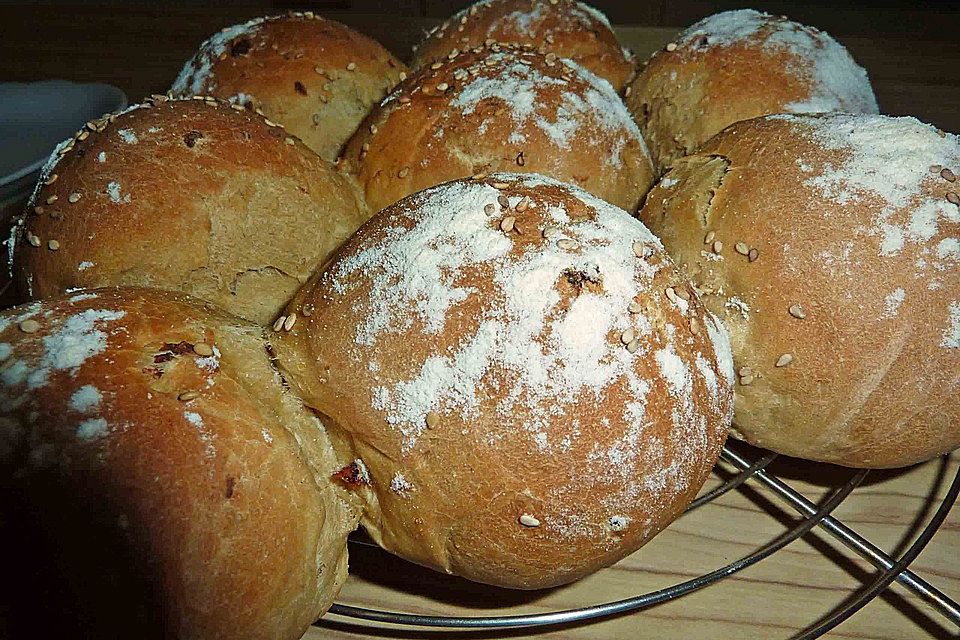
pixel 500 108
pixel 188 195
pixel 316 77
pixel 158 480
pixel 567 28
pixel 738 65
pixel 531 385
pixel 830 246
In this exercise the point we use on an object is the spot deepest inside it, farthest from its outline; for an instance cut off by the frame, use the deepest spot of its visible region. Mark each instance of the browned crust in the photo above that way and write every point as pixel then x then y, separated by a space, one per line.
pixel 316 77
pixel 863 389
pixel 188 195
pixel 472 477
pixel 562 27
pixel 205 483
pixel 418 137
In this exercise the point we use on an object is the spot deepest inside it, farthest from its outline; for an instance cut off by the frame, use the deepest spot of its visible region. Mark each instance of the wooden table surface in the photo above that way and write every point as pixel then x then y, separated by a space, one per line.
pixel 141 48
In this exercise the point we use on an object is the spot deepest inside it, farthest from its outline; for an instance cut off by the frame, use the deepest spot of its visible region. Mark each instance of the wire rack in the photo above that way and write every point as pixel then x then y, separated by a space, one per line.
pixel 748 466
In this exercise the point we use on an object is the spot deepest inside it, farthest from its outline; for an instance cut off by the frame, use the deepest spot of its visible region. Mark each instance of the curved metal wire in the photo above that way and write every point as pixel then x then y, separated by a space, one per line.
pixel 734 482
pixel 609 608
pixel 855 542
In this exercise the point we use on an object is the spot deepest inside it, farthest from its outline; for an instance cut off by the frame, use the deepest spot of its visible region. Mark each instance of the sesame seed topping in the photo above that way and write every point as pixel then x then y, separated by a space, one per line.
pixel 403 76
pixel 747 380
pixel 504 201
pixel 741 248
pixel 203 349
pixel 351 66
pixel 443 86
pixel 29 326
pixel 682 293
pixel 528 520
pixel 403 173
pixel 53 245
pixel 500 185
pixel 307 310
pixel 745 371
pixel 436 65
pixel 634 307
pixel 694 326
pixel 566 244
pixel 549 232
pixel 633 346
pixel 753 254
pixel 953 198
pixel 51 179
pixel 187 396
pixel 38 210
pixel 523 204
pixel 707 239
pixel 279 323
pixel 373 128
pixel 717 246
pixel 289 322
pixel 935 168
pixel 506 225
pixel 671 294
pixel 627 336
pixel 784 360
pixel 290 141
pixel 797 311
pixel 33 240
pixel 948 175
pixel 433 420
pixel 73 198
pixel 52 199
pixel 671 46
pixel 489 208
pixel 639 250
pixel 404 99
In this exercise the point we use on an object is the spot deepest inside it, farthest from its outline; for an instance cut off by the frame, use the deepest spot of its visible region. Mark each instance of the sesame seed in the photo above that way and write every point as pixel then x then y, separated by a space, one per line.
pixel 365 146
pixel 504 201
pixel 506 225
pixel 203 349
pixel 403 173
pixel 500 185
pixel 694 326
pixel 453 54
pixel 522 205
pixel 33 240
pixel 633 346
pixel 707 239
pixel 53 245
pixel 549 232
pixel 935 168
pixel 29 326
pixel 433 420
pixel 627 336
pixel 307 310
pixel 436 65
pixel 752 255
pixel 289 322
pixel 52 199
pixel 351 66
pixel 566 244
pixel 73 198
pixel 717 246
pixel 279 323
pixel 403 76
pixel 784 360
pixel 671 294
pixel 953 198
pixel 38 210
pixel 290 141
pixel 187 396
pixel 443 86
pixel 682 293
pixel 639 250
pixel 745 371
pixel 83 135
pixel 549 38
pixel 528 520
pixel 373 128
pixel 672 46
pixel 404 99
pixel 948 175
pixel 797 311
pixel 634 307
pixel 747 380
pixel 489 208
pixel 51 179
pixel 741 248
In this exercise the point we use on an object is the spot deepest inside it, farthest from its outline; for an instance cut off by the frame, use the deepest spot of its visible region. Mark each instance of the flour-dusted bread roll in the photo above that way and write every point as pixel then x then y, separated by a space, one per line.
pixel 534 389
pixel 501 108
pixel 568 28
pixel 738 65
pixel 188 195
pixel 316 77
pixel 158 480
pixel 830 245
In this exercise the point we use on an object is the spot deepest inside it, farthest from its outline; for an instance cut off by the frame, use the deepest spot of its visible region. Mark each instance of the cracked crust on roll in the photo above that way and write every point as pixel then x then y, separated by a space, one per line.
pixel 829 245
pixel 164 481
pixel 532 387
pixel 186 195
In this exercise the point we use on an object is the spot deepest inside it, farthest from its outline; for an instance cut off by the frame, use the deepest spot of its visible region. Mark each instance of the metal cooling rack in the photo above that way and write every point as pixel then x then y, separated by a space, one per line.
pixel 748 467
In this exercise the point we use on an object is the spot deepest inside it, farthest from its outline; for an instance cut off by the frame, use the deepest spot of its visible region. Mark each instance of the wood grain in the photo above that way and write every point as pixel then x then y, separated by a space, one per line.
pixel 141 47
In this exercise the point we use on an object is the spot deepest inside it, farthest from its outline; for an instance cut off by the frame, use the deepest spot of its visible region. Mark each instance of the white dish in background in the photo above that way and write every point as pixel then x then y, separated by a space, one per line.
pixel 35 117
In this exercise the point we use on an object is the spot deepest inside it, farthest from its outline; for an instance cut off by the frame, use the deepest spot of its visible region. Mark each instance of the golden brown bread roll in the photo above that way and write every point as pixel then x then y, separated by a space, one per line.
pixel 830 245
pixel 158 479
pixel 188 195
pixel 737 65
pixel 500 108
pixel 567 28
pixel 532 386
pixel 316 77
